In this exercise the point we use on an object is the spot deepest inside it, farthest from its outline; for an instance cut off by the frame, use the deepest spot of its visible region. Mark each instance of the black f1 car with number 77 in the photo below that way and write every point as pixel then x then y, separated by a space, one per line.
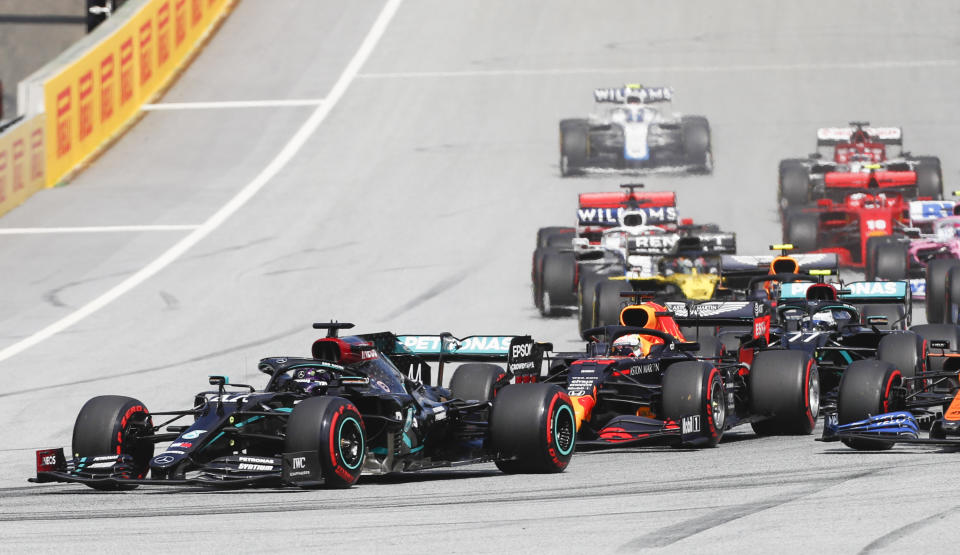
pixel 352 407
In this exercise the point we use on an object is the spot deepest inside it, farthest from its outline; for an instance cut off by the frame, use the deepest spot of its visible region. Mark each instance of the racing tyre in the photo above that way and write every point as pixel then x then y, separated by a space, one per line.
pixel 574 146
pixel 936 288
pixel 905 351
pixel 802 231
pixel 865 390
pixel 891 261
pixel 870 264
pixel 333 428
pixel 943 332
pixel 929 177
pixel 559 283
pixel 952 308
pixel 696 144
pixel 545 235
pixel 586 294
pixel 477 381
pixel 694 391
pixel 607 302
pixel 113 425
pixel 533 429
pixel 895 314
pixel 710 347
pixel 785 385
pixel 794 184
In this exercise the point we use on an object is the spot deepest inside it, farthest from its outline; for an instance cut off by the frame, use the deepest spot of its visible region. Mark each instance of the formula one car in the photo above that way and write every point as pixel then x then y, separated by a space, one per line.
pixel 320 421
pixel 859 160
pixel 554 270
pixel 925 255
pixel 880 405
pixel 862 322
pixel 632 134
pixel 643 381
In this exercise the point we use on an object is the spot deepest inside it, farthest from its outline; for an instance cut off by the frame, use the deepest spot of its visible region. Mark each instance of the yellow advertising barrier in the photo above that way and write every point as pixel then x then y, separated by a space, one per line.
pixel 22 162
pixel 96 96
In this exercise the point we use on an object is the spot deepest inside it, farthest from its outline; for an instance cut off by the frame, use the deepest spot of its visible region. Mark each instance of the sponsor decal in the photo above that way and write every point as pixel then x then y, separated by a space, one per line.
pixel 164 459
pixel 18 164
pixel 193 434
pixel 690 424
pixel 875 289
pixel 63 122
pixel 163 34
pixel 106 88
pixel 126 71
pixel 611 216
pixel 257 460
pixel 146 52
pixel 369 354
pixel 659 243
pixel 644 369
pixel 298 463
pixel 85 91
pixel 644 94
pixel 761 328
pixel 255 467
pixel 183 444
pixel 431 344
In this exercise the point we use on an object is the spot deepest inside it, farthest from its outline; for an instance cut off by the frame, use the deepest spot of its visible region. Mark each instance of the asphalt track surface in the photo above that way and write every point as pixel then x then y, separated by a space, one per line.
pixel 412 206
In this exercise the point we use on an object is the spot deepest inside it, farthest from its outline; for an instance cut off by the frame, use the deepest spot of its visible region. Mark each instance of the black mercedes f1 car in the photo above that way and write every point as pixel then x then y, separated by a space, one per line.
pixel 352 407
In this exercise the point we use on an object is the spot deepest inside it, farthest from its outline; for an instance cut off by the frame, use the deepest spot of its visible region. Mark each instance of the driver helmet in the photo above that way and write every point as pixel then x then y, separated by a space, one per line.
pixel 830 318
pixel 634 345
pixel 312 379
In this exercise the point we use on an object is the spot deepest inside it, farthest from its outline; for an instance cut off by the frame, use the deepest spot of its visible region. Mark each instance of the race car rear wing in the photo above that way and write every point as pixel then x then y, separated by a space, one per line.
pixel 926 211
pixel 830 136
pixel 635 93
pixel 757 265
pixel 882 179
pixel 410 353
pixel 702 244
pixel 857 292
pixel 717 313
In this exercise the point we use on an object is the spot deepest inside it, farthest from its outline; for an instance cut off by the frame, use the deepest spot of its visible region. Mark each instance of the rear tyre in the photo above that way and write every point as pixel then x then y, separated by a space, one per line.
pixel 333 428
pixel 694 388
pixel 586 294
pixel 606 309
pixel 865 391
pixel 696 144
pixel 574 147
pixel 112 425
pixel 936 288
pixel 559 283
pixel 891 261
pixel 952 308
pixel 870 264
pixel 802 231
pixel 533 429
pixel 944 332
pixel 710 347
pixel 904 351
pixel 477 381
pixel 546 234
pixel 785 385
pixel 794 184
pixel 929 177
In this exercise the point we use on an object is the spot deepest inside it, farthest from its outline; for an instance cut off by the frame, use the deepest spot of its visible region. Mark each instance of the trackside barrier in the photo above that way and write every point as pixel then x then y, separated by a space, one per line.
pixel 94 91
pixel 22 162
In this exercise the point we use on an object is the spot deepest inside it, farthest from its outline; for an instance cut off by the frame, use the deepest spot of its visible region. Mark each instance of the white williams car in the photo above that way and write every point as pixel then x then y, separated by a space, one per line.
pixel 629 131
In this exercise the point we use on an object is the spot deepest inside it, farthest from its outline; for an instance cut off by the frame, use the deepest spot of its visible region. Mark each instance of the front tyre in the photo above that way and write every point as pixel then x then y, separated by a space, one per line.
pixel 694 389
pixel 865 390
pixel 333 428
pixel 532 429
pixel 113 425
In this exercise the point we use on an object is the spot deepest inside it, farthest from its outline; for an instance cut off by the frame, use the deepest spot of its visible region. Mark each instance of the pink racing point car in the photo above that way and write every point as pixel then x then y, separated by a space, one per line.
pixel 926 257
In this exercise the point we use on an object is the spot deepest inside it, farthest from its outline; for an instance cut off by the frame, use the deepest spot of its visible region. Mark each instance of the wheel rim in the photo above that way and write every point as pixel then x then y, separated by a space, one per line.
pixel 351 443
pixel 813 393
pixel 564 433
pixel 718 407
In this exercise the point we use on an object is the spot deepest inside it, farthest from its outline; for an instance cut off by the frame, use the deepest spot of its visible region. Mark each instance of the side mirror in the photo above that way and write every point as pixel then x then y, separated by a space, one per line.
pixel 219 381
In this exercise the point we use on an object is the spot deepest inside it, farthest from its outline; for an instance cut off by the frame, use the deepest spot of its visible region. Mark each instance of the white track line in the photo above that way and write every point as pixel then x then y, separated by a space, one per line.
pixel 656 69
pixel 231 104
pixel 93 229
pixel 285 155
